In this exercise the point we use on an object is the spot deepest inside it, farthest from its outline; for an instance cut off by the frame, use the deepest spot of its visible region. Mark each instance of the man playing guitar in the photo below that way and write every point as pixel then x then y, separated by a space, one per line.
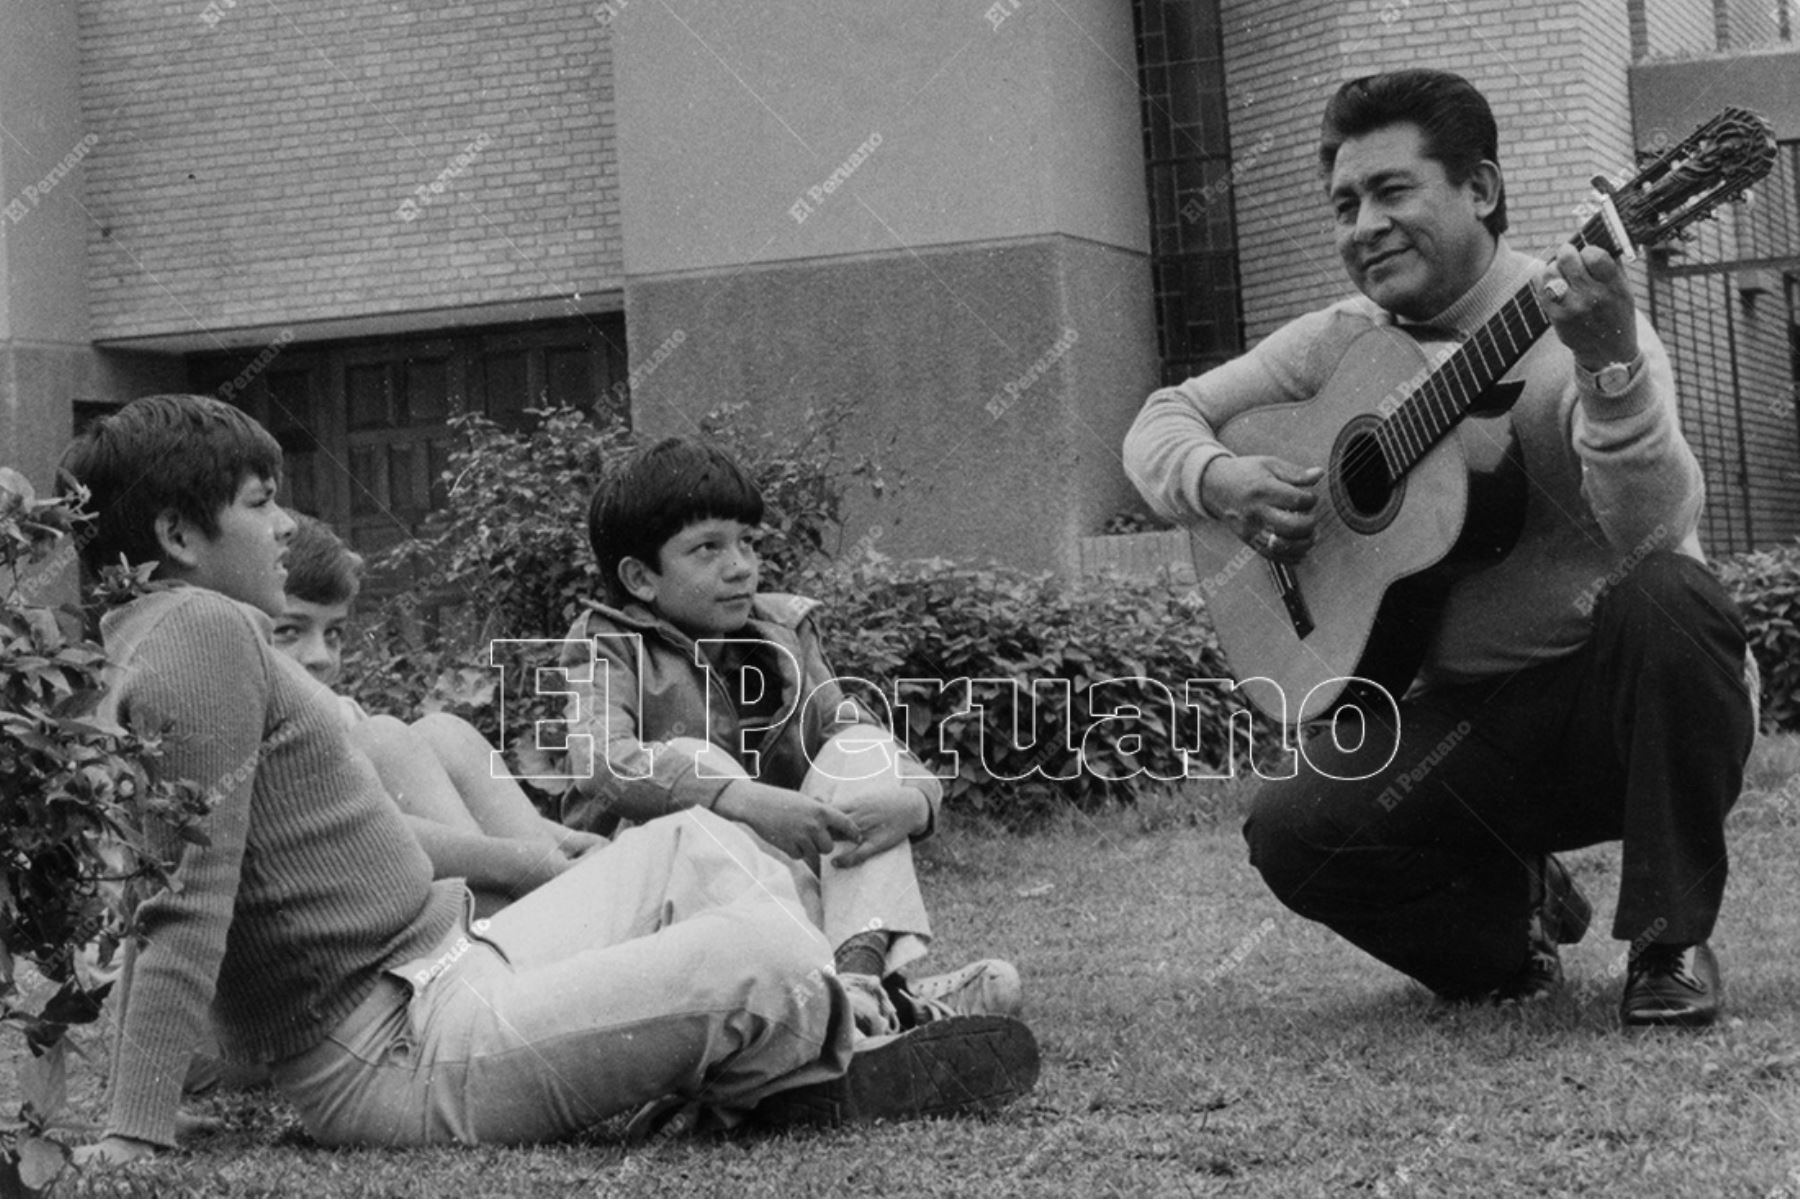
pixel 1587 686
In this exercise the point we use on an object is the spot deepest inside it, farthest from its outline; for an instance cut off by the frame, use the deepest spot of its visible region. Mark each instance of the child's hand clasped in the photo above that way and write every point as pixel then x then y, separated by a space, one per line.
pixel 884 818
pixel 793 823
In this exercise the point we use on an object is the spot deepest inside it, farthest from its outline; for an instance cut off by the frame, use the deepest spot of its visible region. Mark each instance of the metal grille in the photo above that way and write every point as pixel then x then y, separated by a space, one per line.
pixel 1187 152
pixel 1725 304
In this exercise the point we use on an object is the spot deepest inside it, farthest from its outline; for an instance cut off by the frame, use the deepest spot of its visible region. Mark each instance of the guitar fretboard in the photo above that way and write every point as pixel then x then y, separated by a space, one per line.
pixel 1428 414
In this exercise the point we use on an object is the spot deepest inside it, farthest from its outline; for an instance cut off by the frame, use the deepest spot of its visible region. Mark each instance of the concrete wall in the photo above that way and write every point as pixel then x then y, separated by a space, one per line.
pixel 930 213
pixel 982 472
pixel 1677 95
pixel 255 162
pixel 44 358
pixel 730 115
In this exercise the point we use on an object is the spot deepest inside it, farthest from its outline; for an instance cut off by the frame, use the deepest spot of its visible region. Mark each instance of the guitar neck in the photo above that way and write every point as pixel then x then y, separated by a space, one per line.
pixel 1446 396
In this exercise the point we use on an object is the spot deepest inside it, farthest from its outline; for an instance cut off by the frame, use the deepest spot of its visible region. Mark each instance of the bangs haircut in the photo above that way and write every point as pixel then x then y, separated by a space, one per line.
pixel 1456 126
pixel 189 453
pixel 321 569
pixel 659 492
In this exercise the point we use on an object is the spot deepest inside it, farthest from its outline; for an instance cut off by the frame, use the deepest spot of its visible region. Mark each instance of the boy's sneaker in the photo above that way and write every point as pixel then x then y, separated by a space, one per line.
pixel 989 987
pixel 952 1066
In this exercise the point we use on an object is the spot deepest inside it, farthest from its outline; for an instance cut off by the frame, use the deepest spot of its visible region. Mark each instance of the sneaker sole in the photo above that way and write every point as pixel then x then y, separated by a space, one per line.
pixel 964 1064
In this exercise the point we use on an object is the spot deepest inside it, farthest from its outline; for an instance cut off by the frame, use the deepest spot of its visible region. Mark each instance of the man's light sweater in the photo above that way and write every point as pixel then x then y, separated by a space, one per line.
pixel 1610 479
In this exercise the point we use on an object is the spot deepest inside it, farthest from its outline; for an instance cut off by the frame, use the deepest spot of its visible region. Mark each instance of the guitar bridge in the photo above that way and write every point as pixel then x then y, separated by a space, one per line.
pixel 1291 599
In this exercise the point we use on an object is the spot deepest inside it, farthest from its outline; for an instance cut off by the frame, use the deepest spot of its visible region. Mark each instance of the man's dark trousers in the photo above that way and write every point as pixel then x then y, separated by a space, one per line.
pixel 1639 737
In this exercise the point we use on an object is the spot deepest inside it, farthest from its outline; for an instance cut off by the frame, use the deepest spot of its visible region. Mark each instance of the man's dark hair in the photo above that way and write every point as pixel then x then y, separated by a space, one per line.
pixel 1455 123
pixel 321 569
pixel 189 453
pixel 659 492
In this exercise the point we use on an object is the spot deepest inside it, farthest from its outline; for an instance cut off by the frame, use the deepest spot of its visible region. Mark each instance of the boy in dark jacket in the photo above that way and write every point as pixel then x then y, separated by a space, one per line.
pixel 689 689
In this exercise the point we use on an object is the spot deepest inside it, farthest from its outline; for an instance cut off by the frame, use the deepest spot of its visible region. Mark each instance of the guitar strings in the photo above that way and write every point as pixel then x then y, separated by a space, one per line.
pixel 1439 387
pixel 1455 382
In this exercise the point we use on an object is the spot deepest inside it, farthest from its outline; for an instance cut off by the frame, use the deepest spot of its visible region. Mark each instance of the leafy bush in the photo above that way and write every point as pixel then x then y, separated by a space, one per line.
pixel 74 791
pixel 964 648
pixel 508 555
pixel 1766 586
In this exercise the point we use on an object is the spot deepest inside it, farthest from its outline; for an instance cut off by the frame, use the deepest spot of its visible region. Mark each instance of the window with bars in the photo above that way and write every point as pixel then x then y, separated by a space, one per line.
pixel 1187 155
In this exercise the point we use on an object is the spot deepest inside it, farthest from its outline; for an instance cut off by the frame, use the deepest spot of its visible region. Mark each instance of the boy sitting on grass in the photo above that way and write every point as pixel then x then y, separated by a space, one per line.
pixel 699 692
pixel 473 824
pixel 675 961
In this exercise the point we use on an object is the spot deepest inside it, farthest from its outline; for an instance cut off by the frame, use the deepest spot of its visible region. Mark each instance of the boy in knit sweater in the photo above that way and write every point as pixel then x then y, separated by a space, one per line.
pixel 676 962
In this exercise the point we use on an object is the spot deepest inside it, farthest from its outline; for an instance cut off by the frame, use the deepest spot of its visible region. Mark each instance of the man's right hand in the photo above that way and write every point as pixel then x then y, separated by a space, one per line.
pixel 793 823
pixel 1267 502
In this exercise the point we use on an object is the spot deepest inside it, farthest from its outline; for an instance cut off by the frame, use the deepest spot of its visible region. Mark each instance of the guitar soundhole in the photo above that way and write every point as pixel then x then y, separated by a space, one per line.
pixel 1366 480
pixel 1365 496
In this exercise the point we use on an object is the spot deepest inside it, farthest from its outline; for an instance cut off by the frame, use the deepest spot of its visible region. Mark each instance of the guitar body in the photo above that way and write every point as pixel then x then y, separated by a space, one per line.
pixel 1366 598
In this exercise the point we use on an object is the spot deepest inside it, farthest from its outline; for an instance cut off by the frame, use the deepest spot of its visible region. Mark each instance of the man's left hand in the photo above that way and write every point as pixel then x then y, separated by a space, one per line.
pixel 884 817
pixel 1595 316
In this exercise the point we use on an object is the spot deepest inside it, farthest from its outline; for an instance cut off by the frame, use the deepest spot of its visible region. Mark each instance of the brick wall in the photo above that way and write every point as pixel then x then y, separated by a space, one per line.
pixel 1554 73
pixel 1750 24
pixel 253 160
pixel 1672 28
pixel 1281 65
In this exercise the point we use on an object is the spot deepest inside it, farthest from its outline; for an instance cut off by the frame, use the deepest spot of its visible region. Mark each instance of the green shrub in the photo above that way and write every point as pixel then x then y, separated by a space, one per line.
pixel 1766 586
pixel 508 558
pixel 508 555
pixel 74 793
pixel 962 646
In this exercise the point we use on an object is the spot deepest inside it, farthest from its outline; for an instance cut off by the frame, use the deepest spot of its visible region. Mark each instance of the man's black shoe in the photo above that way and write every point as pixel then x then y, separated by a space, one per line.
pixel 1541 974
pixel 1566 911
pixel 951 1066
pixel 1560 916
pixel 1672 985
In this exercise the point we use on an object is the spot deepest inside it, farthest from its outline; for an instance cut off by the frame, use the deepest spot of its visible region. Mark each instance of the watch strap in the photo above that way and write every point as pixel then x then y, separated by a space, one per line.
pixel 1612 380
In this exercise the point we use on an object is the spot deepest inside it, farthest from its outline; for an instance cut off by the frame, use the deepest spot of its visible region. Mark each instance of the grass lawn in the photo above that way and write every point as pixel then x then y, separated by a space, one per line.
pixel 1198 1039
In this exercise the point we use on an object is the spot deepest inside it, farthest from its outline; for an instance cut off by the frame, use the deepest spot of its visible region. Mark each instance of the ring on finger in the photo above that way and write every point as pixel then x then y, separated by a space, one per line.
pixel 1270 538
pixel 1556 289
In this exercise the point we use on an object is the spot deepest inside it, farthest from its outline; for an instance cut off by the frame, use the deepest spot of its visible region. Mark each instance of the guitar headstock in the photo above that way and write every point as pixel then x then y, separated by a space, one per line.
pixel 1716 164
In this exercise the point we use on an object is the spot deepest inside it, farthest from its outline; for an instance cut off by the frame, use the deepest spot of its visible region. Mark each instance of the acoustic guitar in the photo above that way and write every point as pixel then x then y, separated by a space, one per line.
pixel 1406 508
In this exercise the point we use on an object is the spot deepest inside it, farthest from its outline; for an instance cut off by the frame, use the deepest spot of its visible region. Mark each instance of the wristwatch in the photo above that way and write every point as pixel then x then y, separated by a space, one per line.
pixel 1612 380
